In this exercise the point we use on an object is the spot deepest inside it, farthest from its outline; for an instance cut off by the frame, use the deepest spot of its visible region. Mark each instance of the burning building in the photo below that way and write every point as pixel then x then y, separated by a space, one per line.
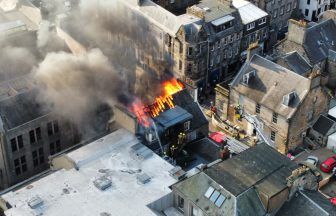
pixel 171 122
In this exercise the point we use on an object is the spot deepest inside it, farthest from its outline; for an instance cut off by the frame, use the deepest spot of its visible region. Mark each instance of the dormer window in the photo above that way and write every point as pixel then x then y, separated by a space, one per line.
pixel 247 77
pixel 289 98
pixel 250 26
pixel 187 126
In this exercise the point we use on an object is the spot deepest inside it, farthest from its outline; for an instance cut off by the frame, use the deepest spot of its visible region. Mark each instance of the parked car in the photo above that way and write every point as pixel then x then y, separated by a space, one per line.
pixel 333 201
pixel 328 165
pixel 312 160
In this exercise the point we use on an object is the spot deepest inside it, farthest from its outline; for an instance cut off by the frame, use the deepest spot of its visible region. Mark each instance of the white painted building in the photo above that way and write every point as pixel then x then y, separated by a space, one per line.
pixel 311 9
pixel 115 175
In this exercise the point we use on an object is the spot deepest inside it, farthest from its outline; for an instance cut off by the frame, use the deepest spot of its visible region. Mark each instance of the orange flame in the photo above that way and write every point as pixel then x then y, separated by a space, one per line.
pixel 161 103
pixel 137 108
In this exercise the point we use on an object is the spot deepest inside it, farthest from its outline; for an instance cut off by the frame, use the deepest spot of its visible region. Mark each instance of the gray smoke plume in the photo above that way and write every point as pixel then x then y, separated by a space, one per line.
pixel 75 85
pixel 15 62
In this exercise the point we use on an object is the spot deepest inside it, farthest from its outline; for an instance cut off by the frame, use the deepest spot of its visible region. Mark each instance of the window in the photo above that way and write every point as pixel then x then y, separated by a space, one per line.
pixel 294 5
pixel 273 133
pixel 250 26
pixel 211 62
pixel 275 13
pixel 16 143
pixel 209 192
pixel 32 136
pixel 262 21
pixel 20 165
pixel 38 157
pixel 218 59
pixel 187 125
pixel 306 12
pixel 318 11
pixel 180 65
pixel 225 41
pixel 180 203
pixel 55 147
pixel 214 196
pixel 219 202
pixel 308 2
pixel 35 135
pixel 52 127
pixel 218 45
pixel 258 108
pixel 275 118
pixel 190 51
pixel 289 7
pixel 282 10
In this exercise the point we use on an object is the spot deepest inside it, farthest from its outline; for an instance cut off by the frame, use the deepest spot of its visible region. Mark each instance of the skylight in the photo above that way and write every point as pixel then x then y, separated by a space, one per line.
pixel 219 202
pixel 215 196
pixel 209 192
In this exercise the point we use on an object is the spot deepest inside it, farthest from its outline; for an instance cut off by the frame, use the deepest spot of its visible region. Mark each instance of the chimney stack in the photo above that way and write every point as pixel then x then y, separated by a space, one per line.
pixel 296 31
pixel 253 49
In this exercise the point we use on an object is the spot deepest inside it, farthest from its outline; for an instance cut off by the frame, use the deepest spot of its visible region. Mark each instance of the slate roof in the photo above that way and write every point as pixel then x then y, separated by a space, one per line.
pixel 240 179
pixel 323 125
pixel 319 39
pixel 184 100
pixel 270 84
pixel 21 109
pixel 297 63
pixel 259 166
pixel 173 116
pixel 307 203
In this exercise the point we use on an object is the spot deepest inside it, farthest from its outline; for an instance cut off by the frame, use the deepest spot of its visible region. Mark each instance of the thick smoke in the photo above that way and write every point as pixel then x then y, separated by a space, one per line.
pixel 15 62
pixel 75 86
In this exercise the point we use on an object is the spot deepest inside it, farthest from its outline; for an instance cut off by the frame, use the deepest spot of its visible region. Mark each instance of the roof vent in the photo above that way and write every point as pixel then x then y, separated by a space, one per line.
pixel 177 173
pixel 206 9
pixel 143 178
pixel 289 98
pixel 102 183
pixel 35 202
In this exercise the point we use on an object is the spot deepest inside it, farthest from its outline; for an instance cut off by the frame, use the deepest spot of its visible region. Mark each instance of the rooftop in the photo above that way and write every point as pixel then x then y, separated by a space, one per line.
pixel 260 169
pixel 21 108
pixel 319 39
pixel 324 124
pixel 261 166
pixel 173 116
pixel 156 14
pixel 270 83
pixel 214 9
pixel 296 63
pixel 307 203
pixel 248 11
pixel 108 178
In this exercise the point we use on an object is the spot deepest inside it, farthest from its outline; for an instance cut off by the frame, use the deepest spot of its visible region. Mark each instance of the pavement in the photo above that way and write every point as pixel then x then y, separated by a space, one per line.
pixel 322 154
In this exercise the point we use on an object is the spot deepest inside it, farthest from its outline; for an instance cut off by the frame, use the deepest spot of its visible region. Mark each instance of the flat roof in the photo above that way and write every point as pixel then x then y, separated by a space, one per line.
pixel 248 11
pixel 66 192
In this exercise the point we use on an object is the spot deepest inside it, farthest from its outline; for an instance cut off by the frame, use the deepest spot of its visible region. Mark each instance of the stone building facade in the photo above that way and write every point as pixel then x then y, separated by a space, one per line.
pixel 29 135
pixel 280 12
pixel 285 103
